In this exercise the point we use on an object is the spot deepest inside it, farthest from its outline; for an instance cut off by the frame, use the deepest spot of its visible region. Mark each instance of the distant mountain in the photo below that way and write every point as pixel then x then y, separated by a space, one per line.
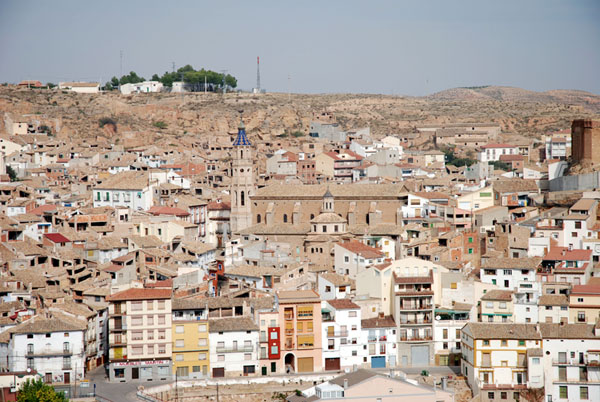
pixel 512 94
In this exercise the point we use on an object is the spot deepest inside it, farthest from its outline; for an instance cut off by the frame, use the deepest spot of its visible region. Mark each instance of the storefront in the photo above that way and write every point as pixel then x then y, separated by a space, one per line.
pixel 145 370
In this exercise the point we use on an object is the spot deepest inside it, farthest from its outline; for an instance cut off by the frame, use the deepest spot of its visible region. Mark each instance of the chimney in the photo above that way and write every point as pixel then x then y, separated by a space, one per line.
pixel 381 314
pixel 345 383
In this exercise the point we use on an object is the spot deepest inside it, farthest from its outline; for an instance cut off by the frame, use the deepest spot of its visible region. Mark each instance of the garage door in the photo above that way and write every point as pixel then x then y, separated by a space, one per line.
pixel 332 363
pixel 378 362
pixel 305 365
pixel 218 372
pixel 419 356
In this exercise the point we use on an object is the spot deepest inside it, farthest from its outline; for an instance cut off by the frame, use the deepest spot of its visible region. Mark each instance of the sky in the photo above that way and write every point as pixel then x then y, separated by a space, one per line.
pixel 379 47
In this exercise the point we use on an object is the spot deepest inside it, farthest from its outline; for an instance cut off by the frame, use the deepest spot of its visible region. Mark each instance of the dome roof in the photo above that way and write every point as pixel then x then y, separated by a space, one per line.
pixel 328 217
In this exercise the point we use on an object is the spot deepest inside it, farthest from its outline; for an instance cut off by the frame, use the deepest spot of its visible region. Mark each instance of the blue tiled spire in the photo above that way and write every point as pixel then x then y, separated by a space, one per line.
pixel 241 139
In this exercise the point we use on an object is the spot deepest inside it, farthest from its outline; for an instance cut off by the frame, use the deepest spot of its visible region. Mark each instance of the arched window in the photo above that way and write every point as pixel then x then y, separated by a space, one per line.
pixel 367 219
pixel 258 218
pixel 312 216
pixel 242 199
pixel 241 154
pixel 284 218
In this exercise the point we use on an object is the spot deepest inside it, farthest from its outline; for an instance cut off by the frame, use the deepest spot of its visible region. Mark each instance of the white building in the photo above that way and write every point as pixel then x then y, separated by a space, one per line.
pixel 509 273
pixel 492 152
pixel 54 347
pixel 80 87
pixel 141 87
pixel 233 346
pixel 570 359
pixel 128 189
pixel 378 338
pixel 447 333
pixel 333 286
pixel 352 257
pixel 495 358
pixel 342 329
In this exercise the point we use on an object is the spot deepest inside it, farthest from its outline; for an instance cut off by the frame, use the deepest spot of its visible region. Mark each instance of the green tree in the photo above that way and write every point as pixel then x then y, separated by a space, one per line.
pixel 114 81
pixel 155 77
pixel 131 78
pixel 11 173
pixel 37 391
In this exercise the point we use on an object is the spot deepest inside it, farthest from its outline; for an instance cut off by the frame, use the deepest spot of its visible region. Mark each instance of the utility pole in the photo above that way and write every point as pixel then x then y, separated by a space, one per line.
pixel 289 87
pixel 173 65
pixel 258 74
pixel 205 83
pixel 120 68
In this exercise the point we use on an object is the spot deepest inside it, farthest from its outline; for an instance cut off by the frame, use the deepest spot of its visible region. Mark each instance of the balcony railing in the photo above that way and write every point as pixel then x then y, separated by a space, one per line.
pixel 121 327
pixel 232 349
pixel 416 306
pixel 66 366
pixel 416 322
pixel 415 338
pixel 336 334
pixel 289 317
pixel 50 351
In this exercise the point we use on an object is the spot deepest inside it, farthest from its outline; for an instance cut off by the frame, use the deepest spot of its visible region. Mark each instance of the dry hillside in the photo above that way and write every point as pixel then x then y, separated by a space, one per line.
pixel 77 115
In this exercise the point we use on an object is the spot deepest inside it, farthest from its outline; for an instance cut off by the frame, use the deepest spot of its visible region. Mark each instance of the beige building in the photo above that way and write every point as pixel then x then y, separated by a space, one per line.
pixel 496 306
pixel 139 334
pixel 584 303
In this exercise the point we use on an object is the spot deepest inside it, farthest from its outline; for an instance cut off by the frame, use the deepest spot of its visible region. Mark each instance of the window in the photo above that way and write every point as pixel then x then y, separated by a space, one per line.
pixel 202 342
pixel 521 343
pixel 503 395
pixel 161 320
pixel 352 314
pixel 137 335
pixel 179 343
pixel 150 319
pixel 247 356
pixel 285 219
pixel 150 335
pixel 137 350
pixel 563 393
pixel 179 329
pixel 137 306
pixel 179 357
pixel 453 285
pixel 202 328
pixel 486 342
pixel 581 316
pixel 161 303
pixel 201 356
pixel 221 358
pixel 583 393
pixel 274 349
pixel 162 349
pixel 502 305
pixel 490 395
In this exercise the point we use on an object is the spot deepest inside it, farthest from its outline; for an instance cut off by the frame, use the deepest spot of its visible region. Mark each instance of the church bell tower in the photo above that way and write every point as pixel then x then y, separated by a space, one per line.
pixel 242 181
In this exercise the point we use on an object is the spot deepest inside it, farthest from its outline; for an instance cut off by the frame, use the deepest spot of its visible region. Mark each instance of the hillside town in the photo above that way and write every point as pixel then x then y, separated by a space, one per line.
pixel 346 256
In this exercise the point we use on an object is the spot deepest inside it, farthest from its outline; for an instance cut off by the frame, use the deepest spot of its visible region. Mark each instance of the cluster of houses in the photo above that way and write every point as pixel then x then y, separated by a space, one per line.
pixel 233 256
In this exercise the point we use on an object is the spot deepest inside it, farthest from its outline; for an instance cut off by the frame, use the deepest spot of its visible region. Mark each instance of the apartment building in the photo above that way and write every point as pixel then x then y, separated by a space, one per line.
pixel 570 359
pixel 191 355
pixel 447 333
pixel 553 309
pixel 378 339
pixel 140 334
pixel 584 303
pixel 509 273
pixel 413 313
pixel 233 346
pixel 342 328
pixel 495 359
pixel 54 347
pixel 496 306
pixel 133 190
pixel 269 341
pixel 301 322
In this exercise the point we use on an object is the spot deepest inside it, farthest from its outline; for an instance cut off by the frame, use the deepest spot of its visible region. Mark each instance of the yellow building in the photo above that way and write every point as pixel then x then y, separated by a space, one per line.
pixel 496 306
pixel 191 356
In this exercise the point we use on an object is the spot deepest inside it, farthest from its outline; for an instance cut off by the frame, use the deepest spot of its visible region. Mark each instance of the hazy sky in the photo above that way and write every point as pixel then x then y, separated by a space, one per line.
pixel 390 47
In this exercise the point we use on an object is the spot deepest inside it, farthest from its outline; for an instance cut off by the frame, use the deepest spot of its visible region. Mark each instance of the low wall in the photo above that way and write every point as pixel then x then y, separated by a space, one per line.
pixel 580 182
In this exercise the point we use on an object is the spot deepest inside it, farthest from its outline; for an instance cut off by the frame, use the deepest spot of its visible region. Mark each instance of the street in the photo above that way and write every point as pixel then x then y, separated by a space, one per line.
pixel 117 392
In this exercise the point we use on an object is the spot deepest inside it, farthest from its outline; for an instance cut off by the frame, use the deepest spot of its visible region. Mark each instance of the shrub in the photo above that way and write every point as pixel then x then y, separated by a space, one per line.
pixel 107 120
pixel 160 124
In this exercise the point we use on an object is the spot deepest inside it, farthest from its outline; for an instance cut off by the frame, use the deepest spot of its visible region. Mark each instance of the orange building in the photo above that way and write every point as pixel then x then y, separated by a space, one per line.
pixel 300 325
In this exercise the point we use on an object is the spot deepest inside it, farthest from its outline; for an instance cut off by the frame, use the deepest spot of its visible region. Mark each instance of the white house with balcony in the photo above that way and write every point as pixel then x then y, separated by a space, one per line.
pixel 341 327
pixel 571 362
pixel 492 152
pixel 233 345
pixel 378 339
pixel 54 347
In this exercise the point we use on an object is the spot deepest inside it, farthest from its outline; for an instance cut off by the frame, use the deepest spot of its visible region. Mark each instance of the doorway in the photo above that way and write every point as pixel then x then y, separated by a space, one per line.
pixel 289 363
pixel 67 378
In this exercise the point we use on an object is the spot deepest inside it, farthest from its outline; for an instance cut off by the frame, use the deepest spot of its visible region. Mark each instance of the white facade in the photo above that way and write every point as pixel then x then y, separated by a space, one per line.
pixel 232 350
pixel 58 356
pixel 506 278
pixel 493 153
pixel 342 336
pixel 141 87
pixel 348 262
pixel 380 342
pixel 133 199
pixel 566 365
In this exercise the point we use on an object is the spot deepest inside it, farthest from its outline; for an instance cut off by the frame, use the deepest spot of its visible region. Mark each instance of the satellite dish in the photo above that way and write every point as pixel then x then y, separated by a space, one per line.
pixel 437 317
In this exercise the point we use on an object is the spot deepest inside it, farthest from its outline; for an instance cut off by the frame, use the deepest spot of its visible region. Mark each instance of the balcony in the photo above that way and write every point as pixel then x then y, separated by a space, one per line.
pixel 121 327
pixel 235 349
pixel 382 338
pixel 416 322
pixel 425 306
pixel 64 351
pixel 118 312
pixel 337 334
pixel 415 339
pixel 66 366
pixel 289 316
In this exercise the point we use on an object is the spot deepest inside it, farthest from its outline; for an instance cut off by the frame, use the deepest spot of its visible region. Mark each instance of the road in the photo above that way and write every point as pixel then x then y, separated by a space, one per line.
pixel 117 391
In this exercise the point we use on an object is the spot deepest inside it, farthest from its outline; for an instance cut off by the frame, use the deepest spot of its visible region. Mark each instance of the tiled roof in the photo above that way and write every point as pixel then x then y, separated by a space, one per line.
pixel 162 210
pixel 56 238
pixel 511 263
pixel 498 294
pixel 379 322
pixel 343 304
pixel 140 294
pixel 564 254
pixel 336 279
pixel 515 186
pixel 232 324
pixel 481 330
pixel 361 249
pixel 125 181
pixel 298 296
pixel 553 300
pixel 567 331
pixel 316 191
